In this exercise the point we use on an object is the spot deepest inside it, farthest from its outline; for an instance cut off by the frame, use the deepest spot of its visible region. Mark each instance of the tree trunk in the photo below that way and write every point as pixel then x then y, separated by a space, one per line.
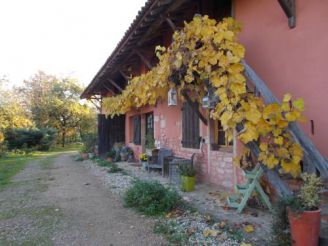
pixel 63 137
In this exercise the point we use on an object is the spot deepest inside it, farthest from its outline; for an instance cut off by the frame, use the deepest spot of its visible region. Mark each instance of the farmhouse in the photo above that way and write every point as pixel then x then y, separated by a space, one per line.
pixel 281 47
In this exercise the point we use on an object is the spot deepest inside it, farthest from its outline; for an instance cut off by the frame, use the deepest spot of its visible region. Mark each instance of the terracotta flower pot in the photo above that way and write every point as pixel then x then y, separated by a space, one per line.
pixel 305 227
pixel 85 156
pixel 109 159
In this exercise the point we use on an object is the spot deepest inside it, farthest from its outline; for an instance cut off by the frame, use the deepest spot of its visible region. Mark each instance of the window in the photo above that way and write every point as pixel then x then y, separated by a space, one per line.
pixel 219 138
pixel 222 138
pixel 150 124
pixel 137 129
pixel 149 131
pixel 190 126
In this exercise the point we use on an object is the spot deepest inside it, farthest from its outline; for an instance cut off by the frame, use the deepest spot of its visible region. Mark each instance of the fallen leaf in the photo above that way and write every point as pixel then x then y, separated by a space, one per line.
pixel 245 244
pixel 209 232
pixel 249 228
pixel 191 231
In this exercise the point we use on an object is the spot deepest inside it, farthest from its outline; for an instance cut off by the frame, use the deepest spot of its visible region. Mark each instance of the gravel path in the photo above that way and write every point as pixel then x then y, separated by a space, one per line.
pixel 63 204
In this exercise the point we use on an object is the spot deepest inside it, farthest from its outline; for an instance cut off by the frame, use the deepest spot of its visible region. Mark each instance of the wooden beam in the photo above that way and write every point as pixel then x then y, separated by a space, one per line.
pixel 123 74
pixel 97 106
pixel 113 83
pixel 107 88
pixel 175 5
pixel 312 156
pixel 171 24
pixel 190 102
pixel 288 7
pixel 143 58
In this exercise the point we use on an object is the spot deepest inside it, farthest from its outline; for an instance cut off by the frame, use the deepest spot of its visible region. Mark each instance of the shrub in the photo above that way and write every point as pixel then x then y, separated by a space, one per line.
pixel 30 139
pixel 113 168
pixel 48 139
pixel 309 195
pixel 151 198
pixel 308 199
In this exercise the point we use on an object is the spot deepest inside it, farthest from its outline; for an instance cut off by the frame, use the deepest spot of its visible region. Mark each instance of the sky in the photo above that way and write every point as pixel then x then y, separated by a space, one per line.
pixel 62 37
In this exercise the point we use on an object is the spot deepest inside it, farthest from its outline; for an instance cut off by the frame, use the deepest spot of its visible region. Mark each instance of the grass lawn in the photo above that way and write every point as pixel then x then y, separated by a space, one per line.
pixel 13 163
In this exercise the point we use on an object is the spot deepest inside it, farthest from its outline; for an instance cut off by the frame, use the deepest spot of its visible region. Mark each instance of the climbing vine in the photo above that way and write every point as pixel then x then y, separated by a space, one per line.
pixel 207 50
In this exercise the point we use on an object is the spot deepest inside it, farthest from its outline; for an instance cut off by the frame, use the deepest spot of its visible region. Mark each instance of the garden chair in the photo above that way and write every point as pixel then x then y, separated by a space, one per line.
pixel 159 163
pixel 245 191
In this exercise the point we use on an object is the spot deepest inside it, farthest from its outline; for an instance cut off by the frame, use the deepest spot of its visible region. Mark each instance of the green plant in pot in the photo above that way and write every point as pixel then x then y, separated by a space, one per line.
pixel 125 152
pixel 143 159
pixel 84 153
pixel 187 177
pixel 304 212
pixel 111 155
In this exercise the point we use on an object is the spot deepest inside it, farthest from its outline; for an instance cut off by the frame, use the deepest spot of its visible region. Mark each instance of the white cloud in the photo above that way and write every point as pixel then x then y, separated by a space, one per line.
pixel 64 37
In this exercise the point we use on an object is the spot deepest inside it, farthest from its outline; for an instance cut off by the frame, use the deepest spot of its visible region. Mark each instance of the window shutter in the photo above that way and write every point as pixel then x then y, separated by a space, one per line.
pixel 137 129
pixel 190 126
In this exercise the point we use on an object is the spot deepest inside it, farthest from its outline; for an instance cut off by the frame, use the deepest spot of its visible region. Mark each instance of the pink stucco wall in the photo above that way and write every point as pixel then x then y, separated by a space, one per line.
pixel 291 60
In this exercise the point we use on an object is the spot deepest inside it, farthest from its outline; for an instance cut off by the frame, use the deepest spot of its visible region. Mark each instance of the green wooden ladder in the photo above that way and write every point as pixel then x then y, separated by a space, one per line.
pixel 245 191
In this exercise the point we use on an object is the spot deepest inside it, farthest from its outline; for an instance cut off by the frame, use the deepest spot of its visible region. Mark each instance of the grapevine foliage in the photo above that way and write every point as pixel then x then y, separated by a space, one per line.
pixel 209 50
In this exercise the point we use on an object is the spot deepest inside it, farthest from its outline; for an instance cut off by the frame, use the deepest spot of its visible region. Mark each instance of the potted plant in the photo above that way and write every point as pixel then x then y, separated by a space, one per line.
pixel 304 212
pixel 188 177
pixel 150 143
pixel 125 153
pixel 143 159
pixel 111 155
pixel 84 153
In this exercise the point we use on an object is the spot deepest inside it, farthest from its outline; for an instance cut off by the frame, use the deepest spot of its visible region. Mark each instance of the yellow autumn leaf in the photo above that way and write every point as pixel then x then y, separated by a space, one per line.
pixel 272 113
pixel 253 115
pixel 264 146
pixel 272 161
pixel 287 97
pixel 210 233
pixel 219 81
pixel 279 140
pixel 236 68
pixel 249 133
pixel 238 88
pixel 249 228
pixel 285 106
pixel 299 104
pixel 292 116
pixel 225 117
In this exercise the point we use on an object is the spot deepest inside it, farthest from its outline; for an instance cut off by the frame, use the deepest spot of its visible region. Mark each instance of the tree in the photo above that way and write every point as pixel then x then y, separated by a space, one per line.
pixel 12 113
pixel 54 102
